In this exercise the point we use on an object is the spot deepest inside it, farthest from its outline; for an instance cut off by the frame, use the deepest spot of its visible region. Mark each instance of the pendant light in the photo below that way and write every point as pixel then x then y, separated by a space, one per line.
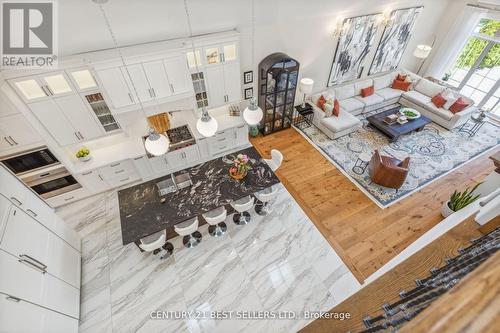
pixel 252 113
pixel 155 144
pixel 206 125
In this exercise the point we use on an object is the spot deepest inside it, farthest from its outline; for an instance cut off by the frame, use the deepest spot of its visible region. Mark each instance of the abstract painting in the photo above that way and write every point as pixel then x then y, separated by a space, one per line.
pixel 354 44
pixel 393 43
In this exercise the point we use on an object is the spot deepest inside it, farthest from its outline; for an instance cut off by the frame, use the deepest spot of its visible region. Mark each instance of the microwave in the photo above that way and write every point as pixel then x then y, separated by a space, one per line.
pixel 29 161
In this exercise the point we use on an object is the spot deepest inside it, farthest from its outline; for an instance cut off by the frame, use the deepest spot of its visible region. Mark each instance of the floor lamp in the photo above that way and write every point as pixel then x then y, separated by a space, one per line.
pixel 421 52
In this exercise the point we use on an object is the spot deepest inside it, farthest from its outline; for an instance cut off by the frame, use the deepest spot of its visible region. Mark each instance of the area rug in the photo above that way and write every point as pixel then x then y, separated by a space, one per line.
pixel 434 152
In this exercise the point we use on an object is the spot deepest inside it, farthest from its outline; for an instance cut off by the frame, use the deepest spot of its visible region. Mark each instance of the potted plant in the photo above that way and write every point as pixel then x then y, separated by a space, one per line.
pixel 240 168
pixel 83 154
pixel 459 200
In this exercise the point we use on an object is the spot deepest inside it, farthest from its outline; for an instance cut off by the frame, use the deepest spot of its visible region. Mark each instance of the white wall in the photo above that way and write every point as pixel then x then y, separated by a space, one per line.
pixel 302 29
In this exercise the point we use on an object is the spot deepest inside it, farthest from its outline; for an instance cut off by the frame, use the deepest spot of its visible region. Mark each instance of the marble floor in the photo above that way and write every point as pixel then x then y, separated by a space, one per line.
pixel 277 264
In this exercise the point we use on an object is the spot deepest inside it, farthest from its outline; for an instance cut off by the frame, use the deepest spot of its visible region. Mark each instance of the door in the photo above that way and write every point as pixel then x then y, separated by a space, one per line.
pixel 12 188
pixel 232 83
pixel 26 239
pixel 17 130
pixel 83 79
pixel 160 165
pixel 18 316
pixel 157 78
pixel 5 142
pixel 143 167
pixel 229 52
pixel 176 159
pixel 191 155
pixel 116 87
pixel 29 89
pixel 140 82
pixel 79 116
pixel 63 261
pixel 54 120
pixel 178 75
pixel 216 90
pixel 213 55
pixel 56 84
pixel 241 135
pixel 92 181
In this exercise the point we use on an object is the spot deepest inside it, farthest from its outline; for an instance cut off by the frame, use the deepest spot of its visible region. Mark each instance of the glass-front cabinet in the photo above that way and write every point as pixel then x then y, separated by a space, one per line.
pixel 42 86
pixel 278 75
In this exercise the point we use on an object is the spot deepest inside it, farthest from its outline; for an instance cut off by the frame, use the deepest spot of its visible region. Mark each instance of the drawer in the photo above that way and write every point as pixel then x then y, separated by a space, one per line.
pixel 67 197
pixel 118 169
pixel 122 180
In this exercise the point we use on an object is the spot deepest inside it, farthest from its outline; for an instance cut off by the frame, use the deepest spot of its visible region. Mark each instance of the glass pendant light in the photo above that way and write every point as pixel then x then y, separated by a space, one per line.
pixel 155 144
pixel 206 125
pixel 253 113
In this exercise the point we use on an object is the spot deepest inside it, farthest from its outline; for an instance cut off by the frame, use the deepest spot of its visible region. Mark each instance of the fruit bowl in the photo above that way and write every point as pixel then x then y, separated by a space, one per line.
pixel 410 113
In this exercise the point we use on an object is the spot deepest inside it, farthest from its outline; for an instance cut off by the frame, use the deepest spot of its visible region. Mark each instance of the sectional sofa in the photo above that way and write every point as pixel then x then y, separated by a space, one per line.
pixel 353 104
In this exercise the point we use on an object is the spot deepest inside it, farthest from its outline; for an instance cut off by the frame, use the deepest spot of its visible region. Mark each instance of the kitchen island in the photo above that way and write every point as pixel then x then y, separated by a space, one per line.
pixel 143 212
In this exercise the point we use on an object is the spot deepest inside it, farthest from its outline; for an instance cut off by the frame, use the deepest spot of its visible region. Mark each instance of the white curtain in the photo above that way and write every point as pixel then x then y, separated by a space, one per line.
pixel 454 40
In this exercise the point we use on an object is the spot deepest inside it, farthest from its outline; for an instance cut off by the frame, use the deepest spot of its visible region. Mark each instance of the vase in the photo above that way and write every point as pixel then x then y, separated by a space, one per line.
pixel 238 176
pixel 446 210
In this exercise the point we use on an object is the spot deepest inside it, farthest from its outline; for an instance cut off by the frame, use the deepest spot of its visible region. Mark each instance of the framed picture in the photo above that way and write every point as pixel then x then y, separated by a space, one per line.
pixel 247 77
pixel 248 93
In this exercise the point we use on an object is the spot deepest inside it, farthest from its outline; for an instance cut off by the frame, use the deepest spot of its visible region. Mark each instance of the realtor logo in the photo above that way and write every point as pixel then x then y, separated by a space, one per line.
pixel 28 34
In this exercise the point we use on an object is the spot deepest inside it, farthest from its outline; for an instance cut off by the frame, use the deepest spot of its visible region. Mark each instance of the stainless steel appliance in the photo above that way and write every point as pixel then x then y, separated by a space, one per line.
pixel 51 181
pixel 180 137
pixel 29 161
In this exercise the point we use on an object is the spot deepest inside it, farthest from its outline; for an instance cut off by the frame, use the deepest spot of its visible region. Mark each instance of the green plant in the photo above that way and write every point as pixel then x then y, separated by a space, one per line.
pixel 459 200
pixel 82 152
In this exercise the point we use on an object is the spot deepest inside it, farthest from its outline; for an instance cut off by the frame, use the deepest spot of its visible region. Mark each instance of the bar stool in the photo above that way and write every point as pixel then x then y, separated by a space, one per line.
pixel 189 229
pixel 156 243
pixel 242 206
pixel 264 197
pixel 216 220
pixel 276 159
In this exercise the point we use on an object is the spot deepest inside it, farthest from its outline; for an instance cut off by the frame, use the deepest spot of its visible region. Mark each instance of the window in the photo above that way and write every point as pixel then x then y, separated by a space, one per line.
pixel 476 70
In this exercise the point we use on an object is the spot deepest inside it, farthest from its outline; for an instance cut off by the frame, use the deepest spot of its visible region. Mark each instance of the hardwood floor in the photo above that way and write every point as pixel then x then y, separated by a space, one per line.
pixel 364 235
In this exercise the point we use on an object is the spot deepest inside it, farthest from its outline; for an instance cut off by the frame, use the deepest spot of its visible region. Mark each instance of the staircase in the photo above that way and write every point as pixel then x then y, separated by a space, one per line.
pixel 428 289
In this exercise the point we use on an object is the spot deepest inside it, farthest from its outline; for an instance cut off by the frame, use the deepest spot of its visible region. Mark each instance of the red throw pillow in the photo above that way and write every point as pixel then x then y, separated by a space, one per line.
pixel 438 100
pixel 401 77
pixel 401 85
pixel 365 92
pixel 459 105
pixel 321 103
pixel 336 108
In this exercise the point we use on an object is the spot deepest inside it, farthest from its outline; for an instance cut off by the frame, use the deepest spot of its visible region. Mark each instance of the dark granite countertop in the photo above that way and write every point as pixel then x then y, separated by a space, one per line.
pixel 142 213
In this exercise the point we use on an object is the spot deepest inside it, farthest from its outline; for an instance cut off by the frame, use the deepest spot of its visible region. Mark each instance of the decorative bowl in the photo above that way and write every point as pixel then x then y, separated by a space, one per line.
pixel 410 113
pixel 237 176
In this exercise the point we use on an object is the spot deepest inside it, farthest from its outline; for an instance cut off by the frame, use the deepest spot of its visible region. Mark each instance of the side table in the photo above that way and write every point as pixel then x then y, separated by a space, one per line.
pixel 303 116
pixel 472 125
pixel 361 163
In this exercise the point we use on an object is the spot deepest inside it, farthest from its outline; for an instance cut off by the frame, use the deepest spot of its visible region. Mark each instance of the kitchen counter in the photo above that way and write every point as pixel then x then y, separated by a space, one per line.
pixel 133 146
pixel 142 213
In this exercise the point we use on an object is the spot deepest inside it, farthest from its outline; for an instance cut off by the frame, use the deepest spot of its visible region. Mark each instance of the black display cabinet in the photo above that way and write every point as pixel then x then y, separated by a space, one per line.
pixel 278 75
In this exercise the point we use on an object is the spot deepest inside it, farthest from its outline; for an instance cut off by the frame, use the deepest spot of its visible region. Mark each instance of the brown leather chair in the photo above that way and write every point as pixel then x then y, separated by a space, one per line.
pixel 388 171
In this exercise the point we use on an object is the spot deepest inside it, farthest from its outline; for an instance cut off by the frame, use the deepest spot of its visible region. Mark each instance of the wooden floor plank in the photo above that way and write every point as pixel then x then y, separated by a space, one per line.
pixel 364 235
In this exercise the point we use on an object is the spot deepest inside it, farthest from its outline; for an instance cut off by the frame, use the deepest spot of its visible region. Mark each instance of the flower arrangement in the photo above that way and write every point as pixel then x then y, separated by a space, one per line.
pixel 241 166
pixel 83 154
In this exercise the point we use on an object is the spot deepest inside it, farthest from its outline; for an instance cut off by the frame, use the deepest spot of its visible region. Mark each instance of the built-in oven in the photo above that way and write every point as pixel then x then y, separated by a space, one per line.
pixel 29 161
pixel 51 181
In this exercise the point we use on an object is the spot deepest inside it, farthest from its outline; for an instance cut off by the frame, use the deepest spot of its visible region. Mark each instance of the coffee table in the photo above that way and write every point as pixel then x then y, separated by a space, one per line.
pixel 394 131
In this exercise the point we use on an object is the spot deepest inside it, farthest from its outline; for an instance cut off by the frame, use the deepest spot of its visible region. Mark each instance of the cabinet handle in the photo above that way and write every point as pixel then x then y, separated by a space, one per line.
pixel 154 92
pixel 130 96
pixel 86 173
pixel 50 91
pixel 81 135
pixel 13 140
pixel 124 179
pixel 31 212
pixel 172 88
pixel 70 198
pixel 45 91
pixel 76 134
pixel 138 158
pixel 24 261
pixel 241 126
pixel 114 164
pixel 120 171
pixel 100 177
pixel 13 299
pixel 19 203
pixel 43 266
pixel 10 143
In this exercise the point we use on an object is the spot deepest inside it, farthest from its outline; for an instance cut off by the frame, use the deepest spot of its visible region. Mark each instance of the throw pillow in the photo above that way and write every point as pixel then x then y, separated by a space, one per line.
pixel 401 85
pixel 459 105
pixel 336 108
pixel 450 99
pixel 438 100
pixel 321 102
pixel 401 77
pixel 365 92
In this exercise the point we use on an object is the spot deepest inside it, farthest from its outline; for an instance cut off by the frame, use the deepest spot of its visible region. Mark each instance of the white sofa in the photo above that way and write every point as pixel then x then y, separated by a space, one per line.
pixel 353 104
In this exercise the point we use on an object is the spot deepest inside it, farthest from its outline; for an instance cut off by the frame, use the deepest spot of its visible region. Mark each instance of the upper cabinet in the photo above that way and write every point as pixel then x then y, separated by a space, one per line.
pixel 42 86
pixel 115 84
pixel 83 79
pixel 16 132
pixel 178 75
pixel 219 54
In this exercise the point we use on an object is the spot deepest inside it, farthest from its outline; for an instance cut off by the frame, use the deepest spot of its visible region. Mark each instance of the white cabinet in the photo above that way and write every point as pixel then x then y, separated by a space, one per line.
pixel 232 82
pixel 83 79
pixel 157 78
pixel 241 135
pixel 221 54
pixel 119 173
pixel 224 84
pixel 140 82
pixel 67 119
pixel 143 167
pixel 92 181
pixel 160 165
pixel 42 86
pixel 15 131
pixel 178 75
pixel 116 86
